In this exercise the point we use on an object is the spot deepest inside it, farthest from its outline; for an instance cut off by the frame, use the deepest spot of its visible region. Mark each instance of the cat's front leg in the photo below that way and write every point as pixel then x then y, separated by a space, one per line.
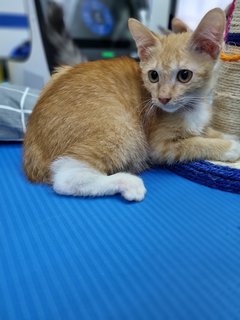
pixel 195 148
pixel 212 133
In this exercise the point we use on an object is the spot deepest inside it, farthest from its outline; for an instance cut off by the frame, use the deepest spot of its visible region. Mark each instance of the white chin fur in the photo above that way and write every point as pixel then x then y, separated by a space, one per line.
pixel 169 107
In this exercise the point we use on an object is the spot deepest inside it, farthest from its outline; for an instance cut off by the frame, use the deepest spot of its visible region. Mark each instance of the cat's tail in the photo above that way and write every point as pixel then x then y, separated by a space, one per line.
pixel 66 50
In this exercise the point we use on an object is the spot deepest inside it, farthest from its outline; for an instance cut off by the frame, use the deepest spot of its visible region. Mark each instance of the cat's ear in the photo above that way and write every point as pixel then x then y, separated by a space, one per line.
pixel 178 26
pixel 144 38
pixel 208 36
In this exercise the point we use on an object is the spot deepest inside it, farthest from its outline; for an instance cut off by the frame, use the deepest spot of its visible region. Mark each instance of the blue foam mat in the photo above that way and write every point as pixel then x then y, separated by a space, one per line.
pixel 174 256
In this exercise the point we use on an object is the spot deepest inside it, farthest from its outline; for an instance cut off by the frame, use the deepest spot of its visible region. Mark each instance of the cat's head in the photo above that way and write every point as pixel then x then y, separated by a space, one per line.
pixel 178 68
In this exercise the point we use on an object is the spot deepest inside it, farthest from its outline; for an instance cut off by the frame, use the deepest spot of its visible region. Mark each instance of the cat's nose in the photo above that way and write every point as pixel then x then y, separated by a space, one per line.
pixel 164 100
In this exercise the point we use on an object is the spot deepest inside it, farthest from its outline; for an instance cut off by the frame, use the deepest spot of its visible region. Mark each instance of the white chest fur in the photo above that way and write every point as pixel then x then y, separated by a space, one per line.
pixel 197 119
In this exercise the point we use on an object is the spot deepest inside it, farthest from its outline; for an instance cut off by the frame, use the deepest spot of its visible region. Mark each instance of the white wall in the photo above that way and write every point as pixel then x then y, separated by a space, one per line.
pixel 191 11
pixel 10 38
pixel 159 15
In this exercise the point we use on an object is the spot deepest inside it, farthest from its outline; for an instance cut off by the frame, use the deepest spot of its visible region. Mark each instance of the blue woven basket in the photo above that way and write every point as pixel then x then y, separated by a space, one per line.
pixel 211 175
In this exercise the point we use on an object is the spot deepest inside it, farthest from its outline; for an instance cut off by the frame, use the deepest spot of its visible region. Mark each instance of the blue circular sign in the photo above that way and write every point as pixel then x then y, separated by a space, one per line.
pixel 97 17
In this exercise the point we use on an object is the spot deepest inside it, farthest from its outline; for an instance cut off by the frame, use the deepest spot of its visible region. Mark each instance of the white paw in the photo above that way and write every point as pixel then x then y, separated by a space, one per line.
pixel 230 137
pixel 233 154
pixel 131 187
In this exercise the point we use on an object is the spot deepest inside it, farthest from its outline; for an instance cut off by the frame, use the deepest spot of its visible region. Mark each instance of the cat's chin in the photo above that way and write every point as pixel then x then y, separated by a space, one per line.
pixel 170 108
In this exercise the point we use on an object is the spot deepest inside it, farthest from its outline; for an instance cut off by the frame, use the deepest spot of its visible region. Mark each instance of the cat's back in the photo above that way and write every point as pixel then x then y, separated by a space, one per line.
pixel 90 85
pixel 88 91
pixel 100 74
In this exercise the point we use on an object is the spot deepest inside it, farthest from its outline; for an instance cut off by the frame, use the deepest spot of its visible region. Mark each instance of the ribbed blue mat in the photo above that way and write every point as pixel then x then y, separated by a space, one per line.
pixel 174 256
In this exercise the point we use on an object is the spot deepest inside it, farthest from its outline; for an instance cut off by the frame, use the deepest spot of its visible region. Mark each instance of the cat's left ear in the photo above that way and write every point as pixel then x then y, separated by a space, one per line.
pixel 144 38
pixel 208 36
pixel 178 26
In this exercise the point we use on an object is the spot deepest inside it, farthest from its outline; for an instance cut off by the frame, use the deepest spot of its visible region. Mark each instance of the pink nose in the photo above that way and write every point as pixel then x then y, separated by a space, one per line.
pixel 164 100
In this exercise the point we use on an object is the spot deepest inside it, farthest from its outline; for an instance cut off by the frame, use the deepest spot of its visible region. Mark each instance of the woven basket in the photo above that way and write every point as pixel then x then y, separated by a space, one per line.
pixel 226 99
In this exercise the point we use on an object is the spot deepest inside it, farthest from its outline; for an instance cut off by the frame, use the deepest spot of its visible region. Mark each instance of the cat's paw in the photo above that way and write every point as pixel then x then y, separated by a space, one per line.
pixel 131 187
pixel 227 136
pixel 233 154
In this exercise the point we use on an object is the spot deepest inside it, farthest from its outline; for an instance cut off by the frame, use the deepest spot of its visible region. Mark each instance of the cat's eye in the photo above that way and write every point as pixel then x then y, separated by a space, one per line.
pixel 184 75
pixel 153 76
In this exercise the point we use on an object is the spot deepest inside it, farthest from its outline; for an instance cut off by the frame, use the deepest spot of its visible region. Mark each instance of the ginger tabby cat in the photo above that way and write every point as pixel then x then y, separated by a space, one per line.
pixel 97 123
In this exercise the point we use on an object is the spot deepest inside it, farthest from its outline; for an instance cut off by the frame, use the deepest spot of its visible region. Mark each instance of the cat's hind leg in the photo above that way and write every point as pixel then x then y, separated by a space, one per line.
pixel 74 177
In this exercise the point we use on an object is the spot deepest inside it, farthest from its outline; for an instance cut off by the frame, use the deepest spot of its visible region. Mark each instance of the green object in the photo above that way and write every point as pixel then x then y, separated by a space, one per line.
pixel 108 54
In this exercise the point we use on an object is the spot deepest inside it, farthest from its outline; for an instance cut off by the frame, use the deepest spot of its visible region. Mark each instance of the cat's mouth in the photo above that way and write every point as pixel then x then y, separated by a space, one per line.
pixel 179 104
pixel 168 107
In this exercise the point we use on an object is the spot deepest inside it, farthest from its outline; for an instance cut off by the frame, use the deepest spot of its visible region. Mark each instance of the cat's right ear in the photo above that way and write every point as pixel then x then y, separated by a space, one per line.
pixel 143 37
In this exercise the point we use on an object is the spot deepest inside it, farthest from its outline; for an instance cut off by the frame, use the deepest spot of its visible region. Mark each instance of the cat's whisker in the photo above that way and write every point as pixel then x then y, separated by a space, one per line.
pixel 191 99
pixel 148 109
pixel 188 103
pixel 151 109
pixel 145 104
pixel 197 99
